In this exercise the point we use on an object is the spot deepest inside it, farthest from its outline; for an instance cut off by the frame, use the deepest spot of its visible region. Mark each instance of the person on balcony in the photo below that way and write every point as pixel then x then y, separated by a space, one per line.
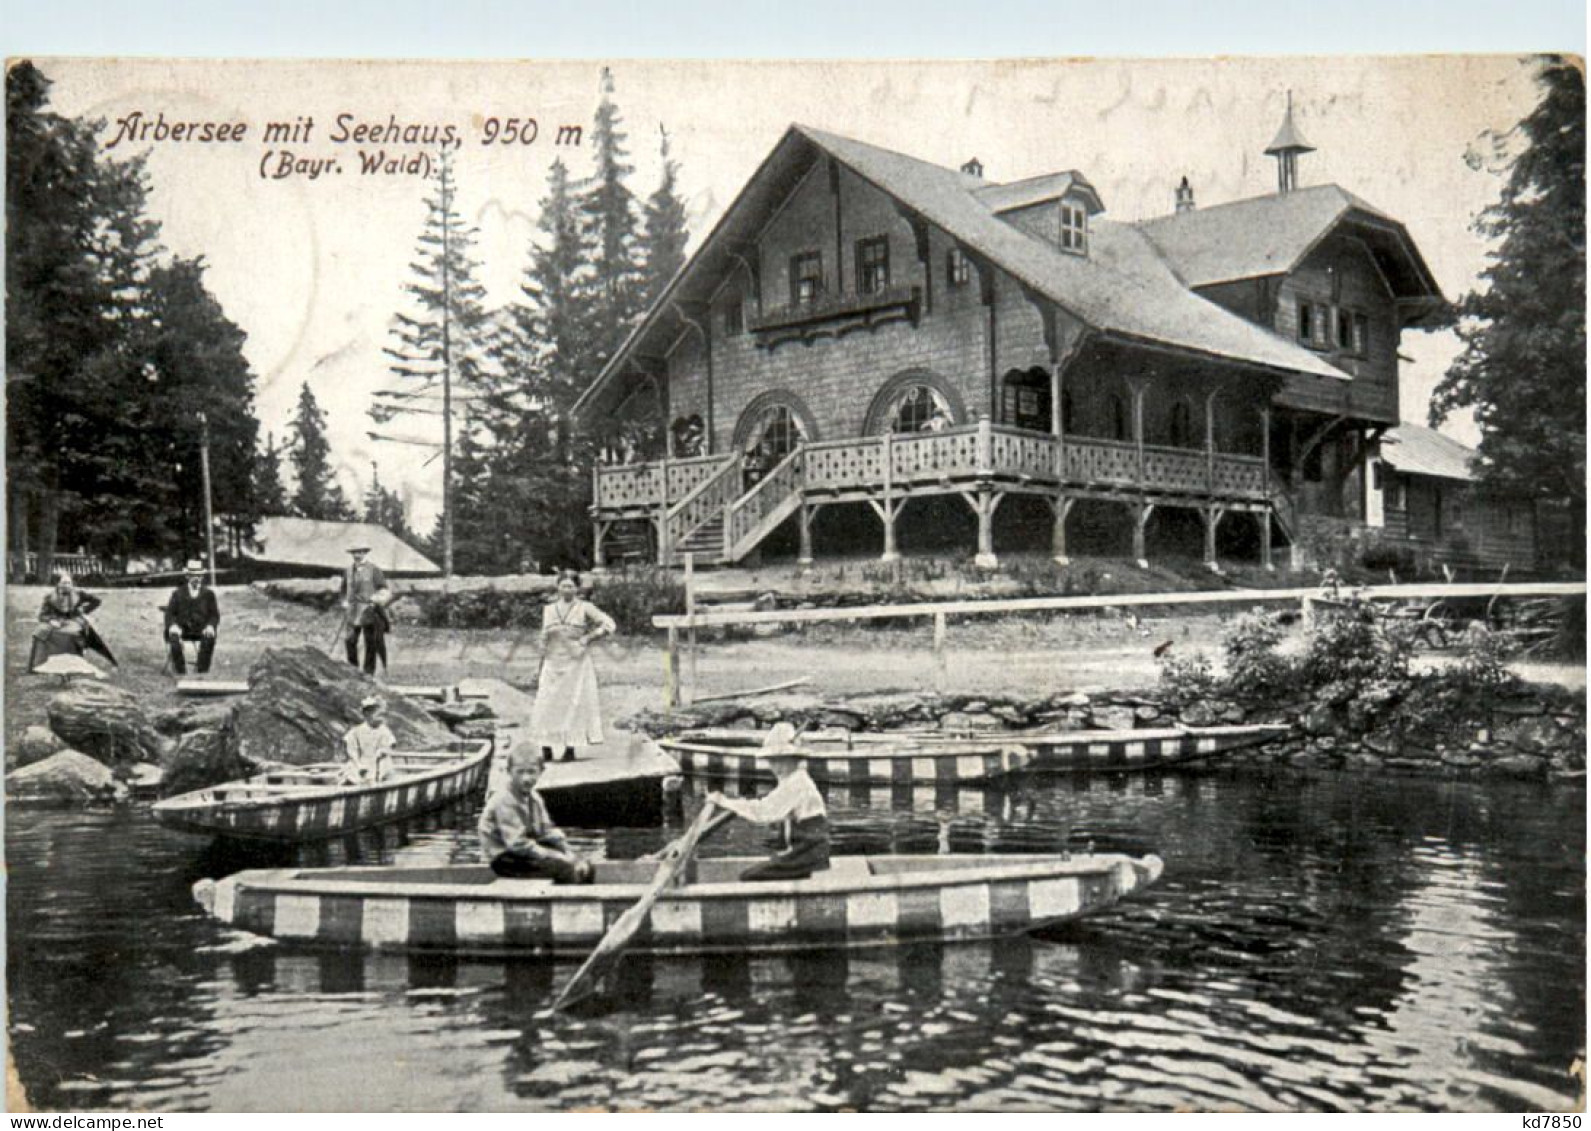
pixel 192 614
pixel 568 712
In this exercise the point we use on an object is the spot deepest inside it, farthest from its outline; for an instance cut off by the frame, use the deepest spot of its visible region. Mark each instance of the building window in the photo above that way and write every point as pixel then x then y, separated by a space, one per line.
pixel 1311 324
pixel 1116 417
pixel 734 318
pixel 806 277
pixel 1074 229
pixel 921 409
pixel 872 265
pixel 1344 329
pixel 1361 335
pixel 958 268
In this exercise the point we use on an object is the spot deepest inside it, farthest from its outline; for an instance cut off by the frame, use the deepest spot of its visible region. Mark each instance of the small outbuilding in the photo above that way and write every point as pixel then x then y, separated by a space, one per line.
pixel 308 547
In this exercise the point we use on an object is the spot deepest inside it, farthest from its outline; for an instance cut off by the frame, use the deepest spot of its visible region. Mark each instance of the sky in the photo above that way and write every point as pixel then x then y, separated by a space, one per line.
pixel 312 269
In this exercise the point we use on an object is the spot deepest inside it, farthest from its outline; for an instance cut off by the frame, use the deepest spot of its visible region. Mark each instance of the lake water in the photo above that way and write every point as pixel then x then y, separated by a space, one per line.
pixel 1317 943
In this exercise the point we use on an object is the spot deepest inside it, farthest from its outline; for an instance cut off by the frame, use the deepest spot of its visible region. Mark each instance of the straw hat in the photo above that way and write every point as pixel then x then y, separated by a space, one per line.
pixel 371 703
pixel 359 548
pixel 781 743
pixel 194 566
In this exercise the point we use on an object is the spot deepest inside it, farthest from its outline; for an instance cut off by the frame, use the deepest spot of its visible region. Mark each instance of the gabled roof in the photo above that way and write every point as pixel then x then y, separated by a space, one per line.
pixel 1039 190
pixel 1125 288
pixel 324 545
pixel 1271 235
pixel 1421 451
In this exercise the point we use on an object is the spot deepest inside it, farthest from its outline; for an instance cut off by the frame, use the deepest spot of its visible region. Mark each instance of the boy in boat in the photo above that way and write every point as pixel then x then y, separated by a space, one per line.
pixel 518 838
pixel 795 804
pixel 368 746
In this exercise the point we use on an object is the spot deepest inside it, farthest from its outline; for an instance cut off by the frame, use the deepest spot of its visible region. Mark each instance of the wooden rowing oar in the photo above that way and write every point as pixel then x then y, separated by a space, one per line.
pixel 609 950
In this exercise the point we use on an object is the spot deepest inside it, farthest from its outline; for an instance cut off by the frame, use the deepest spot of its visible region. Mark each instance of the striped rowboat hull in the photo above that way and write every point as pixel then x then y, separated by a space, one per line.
pixel 291 807
pixel 933 763
pixel 857 902
pixel 1142 749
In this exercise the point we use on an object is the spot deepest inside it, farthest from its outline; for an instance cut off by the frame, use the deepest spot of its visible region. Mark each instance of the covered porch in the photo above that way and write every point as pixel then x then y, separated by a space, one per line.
pixel 721 509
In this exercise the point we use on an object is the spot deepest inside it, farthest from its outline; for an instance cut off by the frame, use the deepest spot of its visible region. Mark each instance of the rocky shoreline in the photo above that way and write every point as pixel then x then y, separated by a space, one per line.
pixel 1529 731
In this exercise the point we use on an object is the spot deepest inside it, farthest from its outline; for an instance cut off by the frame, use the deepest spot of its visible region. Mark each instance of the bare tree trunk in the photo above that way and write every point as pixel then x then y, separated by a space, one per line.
pixel 20 497
pixel 49 520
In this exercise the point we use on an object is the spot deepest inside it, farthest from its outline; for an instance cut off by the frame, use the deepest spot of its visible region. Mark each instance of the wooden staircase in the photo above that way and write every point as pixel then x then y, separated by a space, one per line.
pixel 705 541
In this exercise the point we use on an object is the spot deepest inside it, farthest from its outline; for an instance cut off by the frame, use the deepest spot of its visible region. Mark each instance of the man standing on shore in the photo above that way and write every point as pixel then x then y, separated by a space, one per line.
pixel 365 596
pixel 192 613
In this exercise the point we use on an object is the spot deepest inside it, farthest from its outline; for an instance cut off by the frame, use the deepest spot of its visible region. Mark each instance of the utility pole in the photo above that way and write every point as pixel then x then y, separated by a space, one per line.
pixel 447 380
pixel 204 472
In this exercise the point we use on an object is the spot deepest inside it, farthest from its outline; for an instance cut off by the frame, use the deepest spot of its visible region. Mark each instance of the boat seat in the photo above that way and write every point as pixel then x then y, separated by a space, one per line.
pixel 846 868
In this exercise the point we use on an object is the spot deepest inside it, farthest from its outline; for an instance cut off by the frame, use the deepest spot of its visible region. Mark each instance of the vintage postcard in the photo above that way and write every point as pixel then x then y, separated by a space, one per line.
pixel 826 586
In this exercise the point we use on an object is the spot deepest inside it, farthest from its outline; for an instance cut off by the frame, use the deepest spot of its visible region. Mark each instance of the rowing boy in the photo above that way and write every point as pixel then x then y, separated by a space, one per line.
pixel 796 806
pixel 518 838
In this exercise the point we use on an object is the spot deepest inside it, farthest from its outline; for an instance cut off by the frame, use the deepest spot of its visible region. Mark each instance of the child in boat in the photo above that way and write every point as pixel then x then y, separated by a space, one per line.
pixel 368 746
pixel 796 805
pixel 518 838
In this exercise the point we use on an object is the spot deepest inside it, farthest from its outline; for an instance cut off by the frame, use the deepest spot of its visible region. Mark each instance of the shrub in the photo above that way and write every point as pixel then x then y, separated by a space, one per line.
pixel 1253 666
pixel 1187 680
pixel 633 597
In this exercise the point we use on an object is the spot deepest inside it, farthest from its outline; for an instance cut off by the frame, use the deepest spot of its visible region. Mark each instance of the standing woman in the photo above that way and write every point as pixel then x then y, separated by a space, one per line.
pixel 567 713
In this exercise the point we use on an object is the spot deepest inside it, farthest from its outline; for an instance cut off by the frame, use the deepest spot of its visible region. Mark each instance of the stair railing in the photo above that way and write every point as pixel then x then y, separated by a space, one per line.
pixel 747 512
pixel 701 505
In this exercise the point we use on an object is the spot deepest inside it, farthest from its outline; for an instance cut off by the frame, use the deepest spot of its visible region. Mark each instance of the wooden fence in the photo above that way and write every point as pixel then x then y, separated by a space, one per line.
pixel 939 611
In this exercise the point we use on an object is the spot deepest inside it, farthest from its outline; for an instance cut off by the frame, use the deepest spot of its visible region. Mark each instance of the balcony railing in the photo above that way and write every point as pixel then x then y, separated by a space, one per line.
pixel 975 452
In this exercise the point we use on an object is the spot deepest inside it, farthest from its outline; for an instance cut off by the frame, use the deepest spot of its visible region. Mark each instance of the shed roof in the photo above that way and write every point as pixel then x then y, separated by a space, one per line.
pixel 324 545
pixel 1422 451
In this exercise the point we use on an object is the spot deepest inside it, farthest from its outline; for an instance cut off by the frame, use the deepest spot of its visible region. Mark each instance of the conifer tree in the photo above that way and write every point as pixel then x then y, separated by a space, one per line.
pixel 663 232
pixel 270 493
pixel 317 494
pixel 608 216
pixel 1523 365
pixel 438 351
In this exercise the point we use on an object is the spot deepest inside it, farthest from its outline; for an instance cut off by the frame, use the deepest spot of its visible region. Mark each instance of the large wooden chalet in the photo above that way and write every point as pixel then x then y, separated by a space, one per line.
pixel 866 330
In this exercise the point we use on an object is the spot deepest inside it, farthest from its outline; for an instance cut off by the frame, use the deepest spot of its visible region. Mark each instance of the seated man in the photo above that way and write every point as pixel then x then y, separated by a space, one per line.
pixel 192 614
pixel 368 746
pixel 798 808
pixel 518 838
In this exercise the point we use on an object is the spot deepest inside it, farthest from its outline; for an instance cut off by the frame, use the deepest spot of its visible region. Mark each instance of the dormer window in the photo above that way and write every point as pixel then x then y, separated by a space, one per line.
pixel 806 277
pixel 872 265
pixel 1074 229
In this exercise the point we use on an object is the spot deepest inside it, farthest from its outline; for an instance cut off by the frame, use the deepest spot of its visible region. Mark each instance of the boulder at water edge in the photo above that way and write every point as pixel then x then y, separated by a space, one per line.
pixel 66 778
pixel 34 744
pixel 301 702
pixel 105 722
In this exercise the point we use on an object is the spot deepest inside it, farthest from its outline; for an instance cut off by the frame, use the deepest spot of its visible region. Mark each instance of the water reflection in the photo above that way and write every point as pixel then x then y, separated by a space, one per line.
pixel 1317 943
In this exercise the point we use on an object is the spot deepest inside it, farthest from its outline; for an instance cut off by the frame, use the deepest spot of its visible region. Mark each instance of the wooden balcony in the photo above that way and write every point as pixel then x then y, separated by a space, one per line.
pixel 836 314
pixel 955 459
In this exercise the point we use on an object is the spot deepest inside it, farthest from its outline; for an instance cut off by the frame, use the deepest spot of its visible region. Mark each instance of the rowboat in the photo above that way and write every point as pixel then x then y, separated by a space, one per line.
pixel 900 757
pixel 835 760
pixel 309 803
pixel 858 901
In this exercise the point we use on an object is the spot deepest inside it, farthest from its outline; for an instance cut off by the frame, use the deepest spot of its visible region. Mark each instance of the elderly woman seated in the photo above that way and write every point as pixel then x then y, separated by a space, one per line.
pixel 63 628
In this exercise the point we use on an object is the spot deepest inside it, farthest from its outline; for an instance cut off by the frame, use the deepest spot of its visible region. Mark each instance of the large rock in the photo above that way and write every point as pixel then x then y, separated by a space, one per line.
pixel 203 757
pixel 67 778
pixel 106 723
pixel 34 744
pixel 301 702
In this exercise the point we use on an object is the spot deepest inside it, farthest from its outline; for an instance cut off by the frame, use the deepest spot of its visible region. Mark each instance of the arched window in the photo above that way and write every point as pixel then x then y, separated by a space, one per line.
pixel 772 425
pixel 1179 426
pixel 920 408
pixel 1116 417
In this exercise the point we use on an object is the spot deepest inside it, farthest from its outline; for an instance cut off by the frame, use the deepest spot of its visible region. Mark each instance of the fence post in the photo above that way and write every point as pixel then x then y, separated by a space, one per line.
pixel 940 665
pixel 688 692
pixel 671 670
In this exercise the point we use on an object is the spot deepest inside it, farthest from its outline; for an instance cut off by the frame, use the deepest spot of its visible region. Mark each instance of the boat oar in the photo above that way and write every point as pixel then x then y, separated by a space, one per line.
pixel 609 950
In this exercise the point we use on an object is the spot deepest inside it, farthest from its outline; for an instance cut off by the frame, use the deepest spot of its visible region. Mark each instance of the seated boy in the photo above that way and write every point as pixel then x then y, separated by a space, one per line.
pixel 368 747
pixel 518 838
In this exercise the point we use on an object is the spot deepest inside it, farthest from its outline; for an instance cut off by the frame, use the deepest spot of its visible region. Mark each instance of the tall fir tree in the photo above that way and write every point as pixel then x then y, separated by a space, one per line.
pixel 317 493
pixel 439 349
pixel 608 216
pixel 270 493
pixel 1523 366
pixel 664 232
pixel 78 251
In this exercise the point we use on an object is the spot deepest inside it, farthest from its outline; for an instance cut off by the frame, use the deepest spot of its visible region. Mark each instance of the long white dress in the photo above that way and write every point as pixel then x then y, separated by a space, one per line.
pixel 567 711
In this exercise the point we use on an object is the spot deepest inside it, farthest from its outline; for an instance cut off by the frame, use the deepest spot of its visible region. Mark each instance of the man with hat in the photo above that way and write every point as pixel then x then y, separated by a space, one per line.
pixel 192 614
pixel 795 805
pixel 365 596
pixel 369 746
